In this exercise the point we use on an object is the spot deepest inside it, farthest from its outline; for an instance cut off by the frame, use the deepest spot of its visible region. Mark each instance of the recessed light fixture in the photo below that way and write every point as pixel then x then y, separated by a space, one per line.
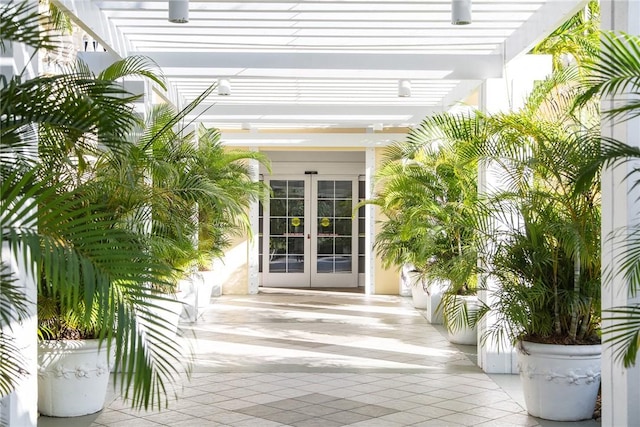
pixel 461 12
pixel 179 11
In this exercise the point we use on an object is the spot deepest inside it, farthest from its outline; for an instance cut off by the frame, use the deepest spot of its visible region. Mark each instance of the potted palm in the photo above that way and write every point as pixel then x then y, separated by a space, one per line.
pixel 546 251
pixel 615 72
pixel 226 213
pixel 91 257
pixel 427 192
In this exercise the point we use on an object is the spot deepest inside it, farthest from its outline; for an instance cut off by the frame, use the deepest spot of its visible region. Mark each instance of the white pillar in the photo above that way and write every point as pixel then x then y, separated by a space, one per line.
pixel 369 225
pixel 503 95
pixel 620 208
pixel 254 221
pixel 20 408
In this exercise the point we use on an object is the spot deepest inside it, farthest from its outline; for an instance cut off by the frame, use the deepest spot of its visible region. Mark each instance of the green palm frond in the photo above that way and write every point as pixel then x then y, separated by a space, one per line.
pixel 623 333
pixel 616 72
pixel 133 66
pixel 87 261
pixel 20 22
pixel 13 309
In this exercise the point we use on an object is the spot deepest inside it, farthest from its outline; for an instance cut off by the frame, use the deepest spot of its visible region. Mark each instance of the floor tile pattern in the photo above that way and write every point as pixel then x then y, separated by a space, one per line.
pixel 309 358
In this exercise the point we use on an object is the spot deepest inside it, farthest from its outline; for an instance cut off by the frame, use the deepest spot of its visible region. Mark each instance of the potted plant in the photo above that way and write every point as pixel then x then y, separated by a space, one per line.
pixel 545 252
pixel 227 213
pixel 614 72
pixel 428 191
pixel 92 260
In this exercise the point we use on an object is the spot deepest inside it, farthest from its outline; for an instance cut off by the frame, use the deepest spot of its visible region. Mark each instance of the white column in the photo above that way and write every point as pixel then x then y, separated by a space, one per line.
pixel 503 95
pixel 20 408
pixel 254 220
pixel 620 208
pixel 369 225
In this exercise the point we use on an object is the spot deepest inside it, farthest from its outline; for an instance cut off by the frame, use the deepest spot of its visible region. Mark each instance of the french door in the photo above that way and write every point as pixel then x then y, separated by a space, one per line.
pixel 309 236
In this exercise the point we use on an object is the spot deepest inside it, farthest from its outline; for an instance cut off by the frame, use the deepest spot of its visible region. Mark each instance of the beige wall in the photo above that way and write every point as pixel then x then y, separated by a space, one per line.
pixel 234 268
pixel 387 281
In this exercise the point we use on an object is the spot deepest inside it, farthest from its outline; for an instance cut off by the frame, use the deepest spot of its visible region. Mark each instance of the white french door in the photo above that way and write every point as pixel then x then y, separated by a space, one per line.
pixel 309 236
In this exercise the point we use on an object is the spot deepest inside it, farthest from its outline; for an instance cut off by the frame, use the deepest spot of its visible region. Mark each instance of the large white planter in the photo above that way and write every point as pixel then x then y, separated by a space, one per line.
pixel 418 294
pixel 435 290
pixel 465 335
pixel 210 286
pixel 560 382
pixel 73 377
pixel 405 284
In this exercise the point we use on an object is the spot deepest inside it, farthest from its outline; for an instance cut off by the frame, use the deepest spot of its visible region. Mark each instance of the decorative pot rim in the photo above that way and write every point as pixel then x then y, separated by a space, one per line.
pixel 528 347
pixel 84 343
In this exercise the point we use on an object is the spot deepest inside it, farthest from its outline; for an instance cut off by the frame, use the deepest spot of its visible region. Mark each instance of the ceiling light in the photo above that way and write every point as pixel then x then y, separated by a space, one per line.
pixel 179 11
pixel 460 12
pixel 224 87
pixel 404 88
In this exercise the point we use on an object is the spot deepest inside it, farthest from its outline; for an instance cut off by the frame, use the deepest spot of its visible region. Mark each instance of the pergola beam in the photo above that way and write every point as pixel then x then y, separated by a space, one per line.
pixel 456 67
pixel 92 20
pixel 267 113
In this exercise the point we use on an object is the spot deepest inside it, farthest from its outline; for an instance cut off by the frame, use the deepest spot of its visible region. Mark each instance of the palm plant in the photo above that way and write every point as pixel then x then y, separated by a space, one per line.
pixel 428 193
pixel 92 261
pixel 226 214
pixel 546 251
pixel 576 40
pixel 190 192
pixel 615 73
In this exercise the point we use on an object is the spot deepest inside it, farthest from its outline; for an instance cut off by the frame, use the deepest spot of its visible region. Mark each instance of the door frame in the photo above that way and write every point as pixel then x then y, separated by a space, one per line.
pixel 310 277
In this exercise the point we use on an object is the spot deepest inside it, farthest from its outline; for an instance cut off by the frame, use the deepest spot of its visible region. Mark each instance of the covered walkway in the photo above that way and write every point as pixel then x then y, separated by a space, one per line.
pixel 310 358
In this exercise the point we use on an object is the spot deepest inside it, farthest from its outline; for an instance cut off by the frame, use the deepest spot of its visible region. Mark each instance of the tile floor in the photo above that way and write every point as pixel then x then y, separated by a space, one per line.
pixel 309 358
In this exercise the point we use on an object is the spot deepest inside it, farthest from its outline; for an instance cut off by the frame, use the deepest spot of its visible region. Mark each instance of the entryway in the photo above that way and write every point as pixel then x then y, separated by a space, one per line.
pixel 310 237
pixel 309 233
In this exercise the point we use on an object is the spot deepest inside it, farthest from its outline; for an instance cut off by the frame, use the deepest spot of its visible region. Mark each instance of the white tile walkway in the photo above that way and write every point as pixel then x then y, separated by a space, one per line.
pixel 308 358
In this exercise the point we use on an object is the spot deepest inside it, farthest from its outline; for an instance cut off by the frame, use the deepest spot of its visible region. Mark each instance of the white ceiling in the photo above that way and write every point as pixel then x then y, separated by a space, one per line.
pixel 322 63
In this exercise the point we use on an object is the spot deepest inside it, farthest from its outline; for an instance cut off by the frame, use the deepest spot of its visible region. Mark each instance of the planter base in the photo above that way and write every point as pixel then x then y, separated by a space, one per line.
pixel 73 377
pixel 560 382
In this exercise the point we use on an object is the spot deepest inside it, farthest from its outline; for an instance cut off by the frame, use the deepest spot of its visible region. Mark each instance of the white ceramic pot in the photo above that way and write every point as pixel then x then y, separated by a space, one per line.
pixel 405 285
pixel 465 335
pixel 560 382
pixel 210 286
pixel 73 377
pixel 435 290
pixel 418 294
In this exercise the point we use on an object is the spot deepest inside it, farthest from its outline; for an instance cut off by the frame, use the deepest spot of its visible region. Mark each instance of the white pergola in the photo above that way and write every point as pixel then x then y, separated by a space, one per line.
pixel 299 64
pixel 336 65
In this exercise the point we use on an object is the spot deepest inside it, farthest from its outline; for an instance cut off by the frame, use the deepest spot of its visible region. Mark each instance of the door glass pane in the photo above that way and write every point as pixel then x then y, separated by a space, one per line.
pixel 295 189
pixel 325 245
pixel 279 189
pixel 344 208
pixel 296 246
pixel 343 227
pixel 343 245
pixel 278 207
pixel 278 226
pixel 296 208
pixel 296 226
pixel 343 189
pixel 342 264
pixel 325 208
pixel 335 204
pixel 286 227
pixel 325 190
pixel 295 264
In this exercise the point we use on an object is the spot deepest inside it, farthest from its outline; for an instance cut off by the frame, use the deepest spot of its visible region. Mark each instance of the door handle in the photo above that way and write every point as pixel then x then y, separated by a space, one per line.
pixel 309 236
